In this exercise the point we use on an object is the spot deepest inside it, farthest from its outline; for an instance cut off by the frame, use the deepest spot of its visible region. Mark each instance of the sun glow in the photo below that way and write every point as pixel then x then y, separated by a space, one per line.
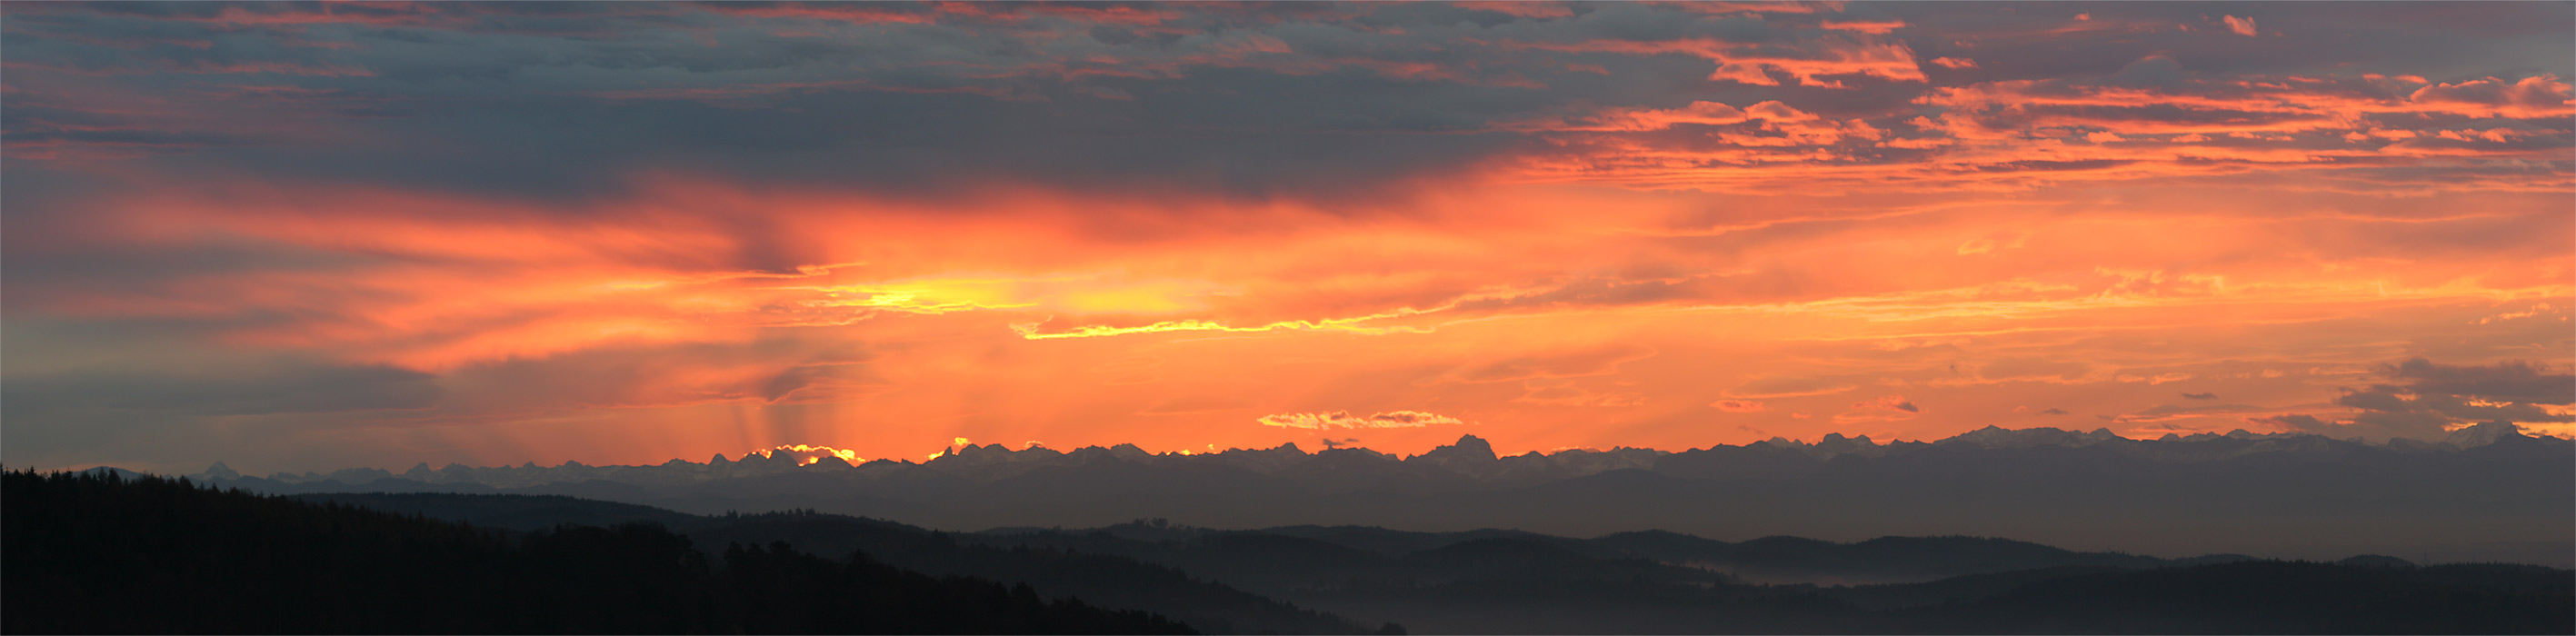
pixel 808 455
pixel 1621 255
pixel 1032 331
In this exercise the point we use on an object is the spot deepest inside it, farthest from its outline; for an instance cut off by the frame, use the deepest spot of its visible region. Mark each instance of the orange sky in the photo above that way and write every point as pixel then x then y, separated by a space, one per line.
pixel 299 239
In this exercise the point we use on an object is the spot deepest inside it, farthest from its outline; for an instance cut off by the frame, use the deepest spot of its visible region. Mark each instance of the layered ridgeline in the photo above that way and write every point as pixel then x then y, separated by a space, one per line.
pixel 102 552
pixel 2489 493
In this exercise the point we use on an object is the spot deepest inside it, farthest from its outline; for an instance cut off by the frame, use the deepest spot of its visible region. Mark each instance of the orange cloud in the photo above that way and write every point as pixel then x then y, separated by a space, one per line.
pixel 2242 26
pixel 1784 386
pixel 1810 62
pixel 1873 27
pixel 1885 408
pixel 1344 420
pixel 1541 10
pixel 2530 97
pixel 1738 406
pixel 1159 223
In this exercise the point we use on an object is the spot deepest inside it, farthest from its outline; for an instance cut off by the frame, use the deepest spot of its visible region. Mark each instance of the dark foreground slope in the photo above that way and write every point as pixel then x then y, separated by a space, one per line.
pixel 105 553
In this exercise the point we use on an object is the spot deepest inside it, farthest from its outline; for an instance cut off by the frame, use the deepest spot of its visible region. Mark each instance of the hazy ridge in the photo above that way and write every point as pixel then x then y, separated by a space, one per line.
pixel 2488 494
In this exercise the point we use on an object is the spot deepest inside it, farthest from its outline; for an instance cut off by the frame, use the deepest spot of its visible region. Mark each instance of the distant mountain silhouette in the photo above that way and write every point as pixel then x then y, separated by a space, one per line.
pixel 2488 493
pixel 103 553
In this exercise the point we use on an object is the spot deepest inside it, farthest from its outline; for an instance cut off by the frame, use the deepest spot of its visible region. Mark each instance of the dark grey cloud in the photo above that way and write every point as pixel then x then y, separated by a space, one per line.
pixel 1298 99
pixel 2027 40
pixel 2510 381
pixel 244 389
pixel 2297 422
pixel 2426 398
pixel 2200 396
pixel 558 102
pixel 779 367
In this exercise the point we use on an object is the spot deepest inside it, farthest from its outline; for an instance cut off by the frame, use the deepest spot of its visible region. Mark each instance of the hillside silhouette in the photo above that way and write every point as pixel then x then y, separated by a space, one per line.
pixel 109 553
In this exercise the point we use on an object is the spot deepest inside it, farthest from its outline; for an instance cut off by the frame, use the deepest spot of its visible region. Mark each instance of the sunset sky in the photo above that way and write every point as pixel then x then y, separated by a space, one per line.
pixel 305 237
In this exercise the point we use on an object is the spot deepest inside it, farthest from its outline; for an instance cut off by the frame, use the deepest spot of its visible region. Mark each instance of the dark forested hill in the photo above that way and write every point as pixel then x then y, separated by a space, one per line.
pixel 108 553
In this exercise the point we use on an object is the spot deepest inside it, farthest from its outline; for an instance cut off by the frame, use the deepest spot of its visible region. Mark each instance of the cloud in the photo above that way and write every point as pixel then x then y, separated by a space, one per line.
pixel 1773 386
pixel 663 230
pixel 1888 403
pixel 274 387
pixel 1520 9
pixel 2535 96
pixel 2033 369
pixel 1568 364
pixel 2170 412
pixel 2296 422
pixel 1813 62
pixel 2510 380
pixel 1885 408
pixel 1197 404
pixel 1738 406
pixel 2241 26
pixel 2159 378
pixel 1873 27
pixel 1343 420
pixel 2200 396
pixel 2427 399
pixel 1557 392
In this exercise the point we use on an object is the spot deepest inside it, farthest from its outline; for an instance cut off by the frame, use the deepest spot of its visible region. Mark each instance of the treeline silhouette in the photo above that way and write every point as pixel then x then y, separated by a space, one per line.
pixel 106 553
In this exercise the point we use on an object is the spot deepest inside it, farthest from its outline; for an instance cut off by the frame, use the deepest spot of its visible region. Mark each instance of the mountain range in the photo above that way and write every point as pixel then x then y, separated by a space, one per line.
pixel 2488 493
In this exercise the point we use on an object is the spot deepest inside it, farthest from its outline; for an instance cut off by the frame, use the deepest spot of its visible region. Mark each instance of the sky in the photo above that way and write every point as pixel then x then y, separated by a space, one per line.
pixel 311 236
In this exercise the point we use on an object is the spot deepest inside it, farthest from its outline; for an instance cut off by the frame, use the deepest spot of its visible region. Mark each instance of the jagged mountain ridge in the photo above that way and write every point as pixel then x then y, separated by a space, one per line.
pixel 1471 457
pixel 2274 496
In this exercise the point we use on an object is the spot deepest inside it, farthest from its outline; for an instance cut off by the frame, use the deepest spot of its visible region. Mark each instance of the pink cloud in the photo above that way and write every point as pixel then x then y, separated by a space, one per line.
pixel 2536 96
pixel 1873 27
pixel 1518 8
pixel 1344 420
pixel 1808 62
pixel 2242 26
pixel 1738 406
